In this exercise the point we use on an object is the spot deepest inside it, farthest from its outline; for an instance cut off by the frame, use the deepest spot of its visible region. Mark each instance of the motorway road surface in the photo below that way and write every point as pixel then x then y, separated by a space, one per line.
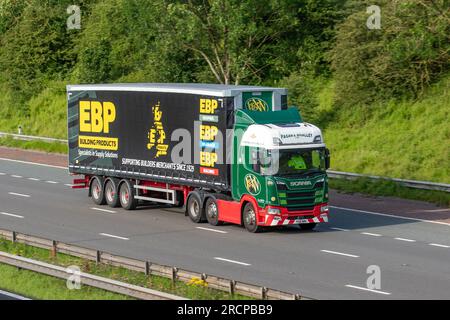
pixel 328 263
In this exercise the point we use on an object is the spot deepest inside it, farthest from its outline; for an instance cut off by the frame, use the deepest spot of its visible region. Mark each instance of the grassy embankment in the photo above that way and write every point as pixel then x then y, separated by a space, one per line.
pixel 39 286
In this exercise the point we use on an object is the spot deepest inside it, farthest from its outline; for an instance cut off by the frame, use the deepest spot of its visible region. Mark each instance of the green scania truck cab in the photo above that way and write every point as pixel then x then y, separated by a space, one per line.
pixel 280 166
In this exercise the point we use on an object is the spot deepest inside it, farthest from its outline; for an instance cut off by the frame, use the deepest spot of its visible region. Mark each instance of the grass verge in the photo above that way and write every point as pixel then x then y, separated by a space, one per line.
pixel 38 286
pixel 389 188
pixel 53 147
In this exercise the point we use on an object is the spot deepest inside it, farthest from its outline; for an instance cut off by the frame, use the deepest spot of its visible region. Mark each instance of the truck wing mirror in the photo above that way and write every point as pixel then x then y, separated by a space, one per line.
pixel 327 159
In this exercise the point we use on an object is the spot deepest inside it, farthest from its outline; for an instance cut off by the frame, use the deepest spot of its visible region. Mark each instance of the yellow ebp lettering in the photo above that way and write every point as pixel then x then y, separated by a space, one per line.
pixel 96 116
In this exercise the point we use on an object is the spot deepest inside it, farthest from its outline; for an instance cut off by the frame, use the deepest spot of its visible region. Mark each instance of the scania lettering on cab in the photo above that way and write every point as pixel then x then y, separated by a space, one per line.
pixel 225 154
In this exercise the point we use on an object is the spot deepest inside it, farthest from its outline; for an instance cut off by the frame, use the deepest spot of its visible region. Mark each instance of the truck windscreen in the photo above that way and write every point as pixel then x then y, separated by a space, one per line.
pixel 293 162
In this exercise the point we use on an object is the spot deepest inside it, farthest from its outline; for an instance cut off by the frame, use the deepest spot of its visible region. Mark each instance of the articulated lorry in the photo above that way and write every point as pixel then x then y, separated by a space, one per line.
pixel 225 154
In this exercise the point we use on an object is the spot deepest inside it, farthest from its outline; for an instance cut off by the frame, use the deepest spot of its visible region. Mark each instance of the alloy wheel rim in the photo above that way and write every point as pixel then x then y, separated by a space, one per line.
pixel 212 211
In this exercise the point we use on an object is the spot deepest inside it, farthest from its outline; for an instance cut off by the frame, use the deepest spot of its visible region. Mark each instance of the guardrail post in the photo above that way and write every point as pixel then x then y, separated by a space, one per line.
pixel 148 271
pixel 14 237
pixel 54 250
pixel 98 256
pixel 174 274
pixel 296 297
pixel 231 287
pixel 263 293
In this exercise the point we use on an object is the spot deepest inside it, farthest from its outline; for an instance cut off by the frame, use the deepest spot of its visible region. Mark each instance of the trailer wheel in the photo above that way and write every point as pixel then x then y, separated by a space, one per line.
pixel 212 212
pixel 126 196
pixel 97 192
pixel 307 226
pixel 194 208
pixel 112 194
pixel 250 219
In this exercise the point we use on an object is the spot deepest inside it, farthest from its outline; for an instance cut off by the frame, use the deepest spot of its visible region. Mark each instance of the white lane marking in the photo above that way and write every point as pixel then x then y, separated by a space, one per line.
pixel 51 182
pixel 391 215
pixel 339 229
pixel 232 261
pixel 34 179
pixel 404 239
pixel 341 253
pixel 2 173
pixel 103 210
pixel 19 194
pixel 113 236
pixel 367 289
pixel 372 234
pixel 213 230
pixel 69 185
pixel 439 245
pixel 16 176
pixel 12 295
pixel 34 163
pixel 11 215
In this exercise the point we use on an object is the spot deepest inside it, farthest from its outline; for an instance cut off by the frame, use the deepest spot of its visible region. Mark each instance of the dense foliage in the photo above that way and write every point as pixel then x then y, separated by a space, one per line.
pixel 337 69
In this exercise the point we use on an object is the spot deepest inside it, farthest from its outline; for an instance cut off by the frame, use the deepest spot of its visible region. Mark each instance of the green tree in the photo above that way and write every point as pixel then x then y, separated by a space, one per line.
pixel 235 39
pixel 408 53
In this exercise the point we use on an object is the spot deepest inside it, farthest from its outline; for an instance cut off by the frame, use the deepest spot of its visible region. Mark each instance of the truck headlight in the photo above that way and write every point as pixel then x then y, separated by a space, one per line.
pixel 273 211
pixel 324 209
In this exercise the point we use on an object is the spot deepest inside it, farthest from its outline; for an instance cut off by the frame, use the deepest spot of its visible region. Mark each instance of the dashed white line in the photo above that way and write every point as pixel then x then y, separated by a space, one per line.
pixel 11 215
pixel 16 176
pixel 103 210
pixel 2 173
pixel 404 239
pixel 51 182
pixel 439 245
pixel 372 234
pixel 391 215
pixel 340 253
pixel 33 163
pixel 19 194
pixel 68 185
pixel 339 229
pixel 113 236
pixel 212 230
pixel 233 261
pixel 34 179
pixel 367 289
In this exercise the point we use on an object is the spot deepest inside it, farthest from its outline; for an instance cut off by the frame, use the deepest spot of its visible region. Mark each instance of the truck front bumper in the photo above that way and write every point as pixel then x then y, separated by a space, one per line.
pixel 318 215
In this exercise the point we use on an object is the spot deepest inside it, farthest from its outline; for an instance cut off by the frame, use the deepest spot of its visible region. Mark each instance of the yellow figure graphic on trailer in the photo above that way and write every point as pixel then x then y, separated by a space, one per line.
pixel 157 135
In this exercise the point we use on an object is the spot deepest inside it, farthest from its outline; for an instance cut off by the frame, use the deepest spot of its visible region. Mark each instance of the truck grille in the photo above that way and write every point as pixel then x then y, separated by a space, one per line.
pixel 297 200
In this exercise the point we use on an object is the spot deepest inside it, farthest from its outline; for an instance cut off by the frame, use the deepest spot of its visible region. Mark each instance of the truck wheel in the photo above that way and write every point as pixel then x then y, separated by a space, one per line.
pixel 307 226
pixel 250 219
pixel 194 208
pixel 97 192
pixel 112 194
pixel 212 212
pixel 126 196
